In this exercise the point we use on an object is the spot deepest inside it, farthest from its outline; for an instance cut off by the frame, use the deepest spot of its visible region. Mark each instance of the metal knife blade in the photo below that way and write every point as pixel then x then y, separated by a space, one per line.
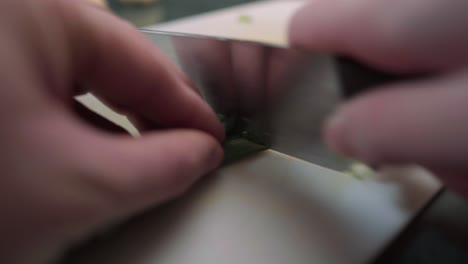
pixel 285 94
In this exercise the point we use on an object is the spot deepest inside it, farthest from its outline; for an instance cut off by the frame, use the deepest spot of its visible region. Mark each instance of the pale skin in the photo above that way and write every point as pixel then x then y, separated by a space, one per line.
pixel 64 178
pixel 424 122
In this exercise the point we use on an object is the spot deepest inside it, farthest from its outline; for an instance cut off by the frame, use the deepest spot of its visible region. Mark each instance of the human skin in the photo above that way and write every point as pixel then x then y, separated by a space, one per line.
pixel 63 178
pixel 424 121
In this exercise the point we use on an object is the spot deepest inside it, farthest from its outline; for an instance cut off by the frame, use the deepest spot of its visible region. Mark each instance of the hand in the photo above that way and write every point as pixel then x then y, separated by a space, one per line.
pixel 424 121
pixel 62 178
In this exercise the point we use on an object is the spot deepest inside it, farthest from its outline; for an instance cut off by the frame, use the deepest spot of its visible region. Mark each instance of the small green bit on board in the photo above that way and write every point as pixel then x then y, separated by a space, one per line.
pixel 359 171
pixel 245 19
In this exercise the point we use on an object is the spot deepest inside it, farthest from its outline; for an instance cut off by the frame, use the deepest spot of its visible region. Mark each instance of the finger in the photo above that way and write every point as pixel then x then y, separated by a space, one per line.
pixel 159 167
pixel 400 36
pixel 130 175
pixel 125 69
pixel 422 122
pixel 111 177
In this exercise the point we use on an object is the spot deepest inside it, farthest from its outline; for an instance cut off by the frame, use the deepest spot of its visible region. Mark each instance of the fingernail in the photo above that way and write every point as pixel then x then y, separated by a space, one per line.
pixel 215 157
pixel 336 133
pixel 346 134
pixel 298 27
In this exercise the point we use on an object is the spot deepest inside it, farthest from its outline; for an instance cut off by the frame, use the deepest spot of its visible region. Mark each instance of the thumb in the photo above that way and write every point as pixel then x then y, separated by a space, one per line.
pixel 422 122
pixel 138 173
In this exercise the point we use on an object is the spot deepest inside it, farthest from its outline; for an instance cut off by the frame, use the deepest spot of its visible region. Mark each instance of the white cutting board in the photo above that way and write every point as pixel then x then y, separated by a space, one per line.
pixel 270 209
pixel 274 209
pixel 269 21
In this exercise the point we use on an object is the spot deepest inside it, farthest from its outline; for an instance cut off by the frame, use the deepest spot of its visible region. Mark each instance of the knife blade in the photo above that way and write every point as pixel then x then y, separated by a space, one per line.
pixel 269 96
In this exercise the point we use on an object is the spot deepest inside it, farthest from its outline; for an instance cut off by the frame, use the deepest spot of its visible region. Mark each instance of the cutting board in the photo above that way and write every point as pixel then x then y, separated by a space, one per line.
pixel 271 208
pixel 265 21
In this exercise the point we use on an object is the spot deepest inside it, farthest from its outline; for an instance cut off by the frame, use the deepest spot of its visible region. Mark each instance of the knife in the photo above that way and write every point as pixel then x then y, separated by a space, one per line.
pixel 269 96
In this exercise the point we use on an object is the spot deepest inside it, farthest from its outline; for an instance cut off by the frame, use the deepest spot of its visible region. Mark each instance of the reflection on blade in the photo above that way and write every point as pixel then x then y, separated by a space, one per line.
pixel 278 97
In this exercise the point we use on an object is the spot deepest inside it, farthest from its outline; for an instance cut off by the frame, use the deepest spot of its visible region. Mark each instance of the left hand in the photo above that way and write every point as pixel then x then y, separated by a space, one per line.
pixel 61 178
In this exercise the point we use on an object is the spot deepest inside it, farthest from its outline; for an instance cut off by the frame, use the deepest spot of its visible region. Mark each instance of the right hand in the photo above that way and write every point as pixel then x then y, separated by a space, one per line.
pixel 424 122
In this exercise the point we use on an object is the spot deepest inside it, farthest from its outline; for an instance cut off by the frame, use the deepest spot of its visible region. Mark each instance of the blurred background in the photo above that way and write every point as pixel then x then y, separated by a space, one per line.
pixel 149 12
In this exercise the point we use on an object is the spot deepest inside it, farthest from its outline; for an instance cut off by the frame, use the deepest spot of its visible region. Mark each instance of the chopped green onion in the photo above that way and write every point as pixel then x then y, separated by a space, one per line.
pixel 359 171
pixel 245 19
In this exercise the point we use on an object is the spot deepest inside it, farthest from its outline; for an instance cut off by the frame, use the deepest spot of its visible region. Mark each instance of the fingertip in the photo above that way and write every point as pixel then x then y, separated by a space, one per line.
pixel 205 118
pixel 197 155
pixel 161 165
pixel 214 127
pixel 211 152
pixel 219 131
pixel 334 133
pixel 132 174
pixel 350 130
pixel 188 152
pixel 298 32
pixel 316 26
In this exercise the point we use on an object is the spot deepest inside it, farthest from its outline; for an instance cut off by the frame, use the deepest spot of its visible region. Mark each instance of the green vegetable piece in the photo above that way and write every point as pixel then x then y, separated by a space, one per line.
pixel 243 138
pixel 239 148
pixel 229 122
pixel 222 118
pixel 360 171
pixel 245 19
